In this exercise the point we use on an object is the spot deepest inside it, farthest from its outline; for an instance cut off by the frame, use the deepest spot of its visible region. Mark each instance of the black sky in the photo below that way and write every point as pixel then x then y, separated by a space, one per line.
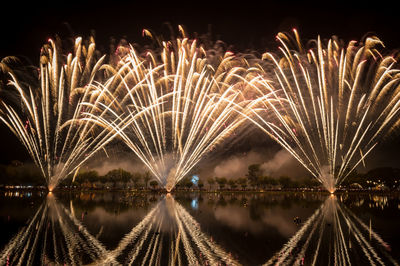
pixel 26 27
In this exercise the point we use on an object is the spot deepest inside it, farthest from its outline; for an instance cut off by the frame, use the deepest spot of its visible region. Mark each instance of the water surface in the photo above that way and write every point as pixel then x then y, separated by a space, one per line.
pixel 122 228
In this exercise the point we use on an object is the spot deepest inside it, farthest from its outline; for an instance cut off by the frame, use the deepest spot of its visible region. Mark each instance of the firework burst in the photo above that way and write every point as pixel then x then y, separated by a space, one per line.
pixel 192 105
pixel 337 102
pixel 39 110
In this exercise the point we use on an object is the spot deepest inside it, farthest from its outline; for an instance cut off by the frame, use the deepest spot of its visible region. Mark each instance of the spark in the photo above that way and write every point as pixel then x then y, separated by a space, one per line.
pixel 329 106
pixel 54 136
pixel 334 103
pixel 188 106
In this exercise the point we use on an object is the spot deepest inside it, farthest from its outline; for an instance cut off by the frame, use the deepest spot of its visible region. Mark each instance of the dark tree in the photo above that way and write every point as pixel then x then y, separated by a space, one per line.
pixel 153 184
pixel 210 181
pixel 253 174
pixel 200 184
pixel 232 184
pixel 242 181
pixel 221 182
pixel 118 175
pixel 86 178
pixel 146 178
pixel 136 179
pixel 285 181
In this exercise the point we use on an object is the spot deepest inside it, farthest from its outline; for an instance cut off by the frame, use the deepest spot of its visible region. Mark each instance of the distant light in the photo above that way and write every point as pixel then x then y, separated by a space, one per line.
pixel 195 180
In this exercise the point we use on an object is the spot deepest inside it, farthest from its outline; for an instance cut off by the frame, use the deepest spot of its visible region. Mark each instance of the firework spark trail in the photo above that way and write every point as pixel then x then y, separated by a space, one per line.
pixel 46 120
pixel 332 215
pixel 193 107
pixel 336 104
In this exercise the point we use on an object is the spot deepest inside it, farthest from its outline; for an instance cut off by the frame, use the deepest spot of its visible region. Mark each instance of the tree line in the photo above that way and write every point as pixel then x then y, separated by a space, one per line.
pixel 27 174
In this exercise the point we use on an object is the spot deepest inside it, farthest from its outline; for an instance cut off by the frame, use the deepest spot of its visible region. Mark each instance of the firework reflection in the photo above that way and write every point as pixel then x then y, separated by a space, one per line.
pixel 167 235
pixel 334 235
pixel 53 236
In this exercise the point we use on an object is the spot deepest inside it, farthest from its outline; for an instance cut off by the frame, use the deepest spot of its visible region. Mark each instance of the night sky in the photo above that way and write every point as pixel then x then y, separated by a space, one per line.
pixel 244 24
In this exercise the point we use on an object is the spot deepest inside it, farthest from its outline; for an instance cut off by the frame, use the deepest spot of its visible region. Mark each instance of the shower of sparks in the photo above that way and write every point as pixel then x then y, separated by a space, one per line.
pixel 42 114
pixel 328 106
pixel 329 236
pixel 336 103
pixel 194 105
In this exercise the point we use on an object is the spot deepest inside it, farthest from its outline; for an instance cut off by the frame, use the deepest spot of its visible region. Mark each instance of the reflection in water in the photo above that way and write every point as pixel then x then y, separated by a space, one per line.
pixel 53 235
pixel 333 235
pixel 168 234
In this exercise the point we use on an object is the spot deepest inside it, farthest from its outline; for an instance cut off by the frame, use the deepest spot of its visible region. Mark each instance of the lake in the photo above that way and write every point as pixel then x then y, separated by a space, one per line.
pixel 128 228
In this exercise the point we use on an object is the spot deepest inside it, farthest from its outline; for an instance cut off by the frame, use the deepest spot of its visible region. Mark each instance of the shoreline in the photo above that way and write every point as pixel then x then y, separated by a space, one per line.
pixel 206 191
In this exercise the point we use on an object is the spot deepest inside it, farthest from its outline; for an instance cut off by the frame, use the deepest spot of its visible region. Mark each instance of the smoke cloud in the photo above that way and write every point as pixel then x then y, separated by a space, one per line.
pixel 236 166
pixel 106 165
pixel 282 163
pixel 274 165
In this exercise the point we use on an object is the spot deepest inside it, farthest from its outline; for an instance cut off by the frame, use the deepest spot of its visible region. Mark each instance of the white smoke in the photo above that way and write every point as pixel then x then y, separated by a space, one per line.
pixel 104 166
pixel 236 166
pixel 279 164
pixel 328 180
pixel 275 165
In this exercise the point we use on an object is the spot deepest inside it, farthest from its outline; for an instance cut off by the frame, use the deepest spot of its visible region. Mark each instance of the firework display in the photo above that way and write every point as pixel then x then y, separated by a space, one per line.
pixel 192 105
pixel 334 103
pixel 42 110
pixel 329 105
